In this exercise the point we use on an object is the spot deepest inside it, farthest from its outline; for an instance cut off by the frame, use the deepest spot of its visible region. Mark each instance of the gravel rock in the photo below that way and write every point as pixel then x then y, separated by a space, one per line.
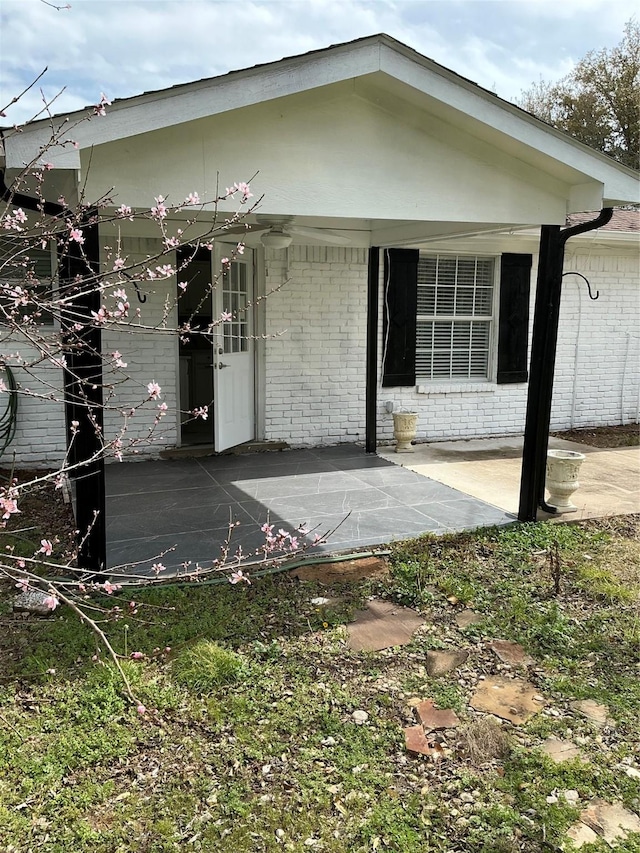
pixel 32 601
pixel 360 717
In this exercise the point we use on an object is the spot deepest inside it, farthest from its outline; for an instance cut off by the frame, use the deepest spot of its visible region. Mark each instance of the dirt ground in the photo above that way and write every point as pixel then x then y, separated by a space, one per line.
pixel 43 512
pixel 622 435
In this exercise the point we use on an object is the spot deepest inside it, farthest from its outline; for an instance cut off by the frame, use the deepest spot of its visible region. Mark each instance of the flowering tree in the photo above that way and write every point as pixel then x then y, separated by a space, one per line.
pixel 52 327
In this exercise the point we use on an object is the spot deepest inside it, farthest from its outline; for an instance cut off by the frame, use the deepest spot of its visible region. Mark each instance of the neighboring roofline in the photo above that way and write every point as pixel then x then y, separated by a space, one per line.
pixel 366 55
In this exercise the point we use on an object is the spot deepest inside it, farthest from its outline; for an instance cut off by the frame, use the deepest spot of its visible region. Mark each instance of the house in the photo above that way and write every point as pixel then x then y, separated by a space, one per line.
pixel 363 146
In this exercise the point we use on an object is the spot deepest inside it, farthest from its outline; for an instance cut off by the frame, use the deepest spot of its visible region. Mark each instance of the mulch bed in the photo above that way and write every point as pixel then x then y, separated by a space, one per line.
pixel 622 435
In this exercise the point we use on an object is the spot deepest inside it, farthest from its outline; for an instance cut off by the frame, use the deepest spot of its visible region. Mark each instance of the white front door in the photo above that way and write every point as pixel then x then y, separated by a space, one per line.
pixel 233 359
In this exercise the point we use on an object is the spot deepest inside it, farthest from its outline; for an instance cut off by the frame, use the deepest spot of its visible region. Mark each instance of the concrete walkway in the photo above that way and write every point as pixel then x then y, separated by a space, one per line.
pixel 489 469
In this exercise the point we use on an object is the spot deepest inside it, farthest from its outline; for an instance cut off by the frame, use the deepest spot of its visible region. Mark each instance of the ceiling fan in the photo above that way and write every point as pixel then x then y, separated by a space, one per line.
pixel 278 234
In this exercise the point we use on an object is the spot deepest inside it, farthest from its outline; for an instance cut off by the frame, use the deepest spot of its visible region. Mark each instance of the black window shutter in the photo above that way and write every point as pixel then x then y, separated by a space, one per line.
pixel 399 317
pixel 513 327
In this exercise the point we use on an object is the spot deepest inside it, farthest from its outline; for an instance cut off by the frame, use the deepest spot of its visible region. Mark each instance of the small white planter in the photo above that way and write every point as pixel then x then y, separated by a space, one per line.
pixel 563 468
pixel 405 425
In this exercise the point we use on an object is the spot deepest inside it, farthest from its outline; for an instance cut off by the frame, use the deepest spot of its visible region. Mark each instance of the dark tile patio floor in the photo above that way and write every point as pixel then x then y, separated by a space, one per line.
pixel 186 504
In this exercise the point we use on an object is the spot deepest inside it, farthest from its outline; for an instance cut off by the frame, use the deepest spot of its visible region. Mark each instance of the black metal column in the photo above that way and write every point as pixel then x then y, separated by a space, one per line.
pixel 543 358
pixel 543 349
pixel 83 396
pixel 371 401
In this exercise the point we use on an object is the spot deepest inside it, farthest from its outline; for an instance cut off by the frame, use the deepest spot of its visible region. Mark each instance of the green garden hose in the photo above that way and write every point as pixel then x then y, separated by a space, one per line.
pixel 9 416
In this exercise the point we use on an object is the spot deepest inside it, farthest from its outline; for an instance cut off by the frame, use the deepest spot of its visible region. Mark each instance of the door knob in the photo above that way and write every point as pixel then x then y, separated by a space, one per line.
pixel 221 365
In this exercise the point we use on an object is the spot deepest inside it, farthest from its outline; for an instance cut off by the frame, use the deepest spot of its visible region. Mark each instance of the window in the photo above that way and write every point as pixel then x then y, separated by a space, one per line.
pixel 443 313
pixel 235 301
pixel 454 317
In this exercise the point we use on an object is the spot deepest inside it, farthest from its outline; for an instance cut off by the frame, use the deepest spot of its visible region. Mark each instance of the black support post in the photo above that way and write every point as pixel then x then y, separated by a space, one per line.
pixel 83 397
pixel 371 401
pixel 543 358
pixel 82 378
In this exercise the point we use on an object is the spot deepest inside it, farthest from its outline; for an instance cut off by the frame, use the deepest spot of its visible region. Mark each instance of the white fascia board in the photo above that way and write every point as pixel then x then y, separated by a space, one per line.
pixel 621 185
pixel 192 101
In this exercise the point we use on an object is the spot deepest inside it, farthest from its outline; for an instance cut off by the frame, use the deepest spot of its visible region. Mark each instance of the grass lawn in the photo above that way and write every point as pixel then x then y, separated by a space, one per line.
pixel 254 746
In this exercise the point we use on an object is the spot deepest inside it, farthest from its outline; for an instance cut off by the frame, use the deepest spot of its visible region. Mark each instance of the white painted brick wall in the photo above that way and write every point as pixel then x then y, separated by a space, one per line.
pixel 150 356
pixel 595 384
pixel 40 425
pixel 315 370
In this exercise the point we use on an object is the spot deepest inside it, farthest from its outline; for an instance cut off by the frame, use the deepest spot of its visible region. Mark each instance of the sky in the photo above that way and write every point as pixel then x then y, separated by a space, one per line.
pixel 125 47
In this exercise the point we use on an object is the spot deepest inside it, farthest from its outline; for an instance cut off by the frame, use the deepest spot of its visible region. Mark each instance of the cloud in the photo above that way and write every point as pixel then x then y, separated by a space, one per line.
pixel 124 47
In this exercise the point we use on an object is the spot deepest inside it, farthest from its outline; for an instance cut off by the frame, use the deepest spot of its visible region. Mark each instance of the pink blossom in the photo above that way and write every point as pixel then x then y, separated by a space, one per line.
pixel 162 408
pixel 192 198
pixel 238 577
pixel 240 186
pixel 23 584
pixel 20 296
pixel 125 212
pixel 100 316
pixel 157 568
pixel 76 234
pixel 14 221
pixel 141 710
pixel 120 293
pixel 165 270
pixel 137 655
pixel 118 264
pixel 182 285
pixel 99 108
pixel 109 587
pixel 117 358
pixel 154 390
pixel 159 211
pixel 46 548
pixel 21 563
pixel 240 248
pixel 171 242
pixel 201 412
pixel 51 602
pixel 226 263
pixel 267 528
pixel 226 316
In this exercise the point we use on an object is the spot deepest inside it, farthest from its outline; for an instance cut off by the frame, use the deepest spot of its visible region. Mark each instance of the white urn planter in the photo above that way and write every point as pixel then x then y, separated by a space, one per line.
pixel 405 426
pixel 563 468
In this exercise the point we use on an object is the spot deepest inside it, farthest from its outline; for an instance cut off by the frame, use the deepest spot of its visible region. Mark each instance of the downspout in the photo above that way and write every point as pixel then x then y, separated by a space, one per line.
pixel 543 357
pixel 82 384
pixel 371 400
